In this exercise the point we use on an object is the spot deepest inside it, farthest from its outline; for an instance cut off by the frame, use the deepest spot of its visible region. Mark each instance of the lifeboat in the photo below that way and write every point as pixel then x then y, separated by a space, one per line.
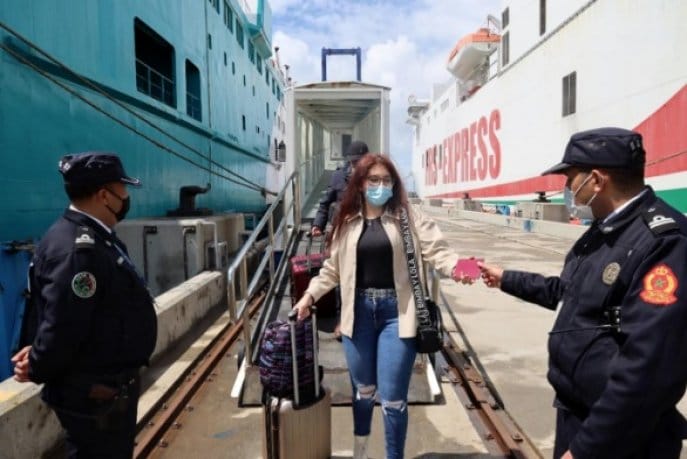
pixel 470 52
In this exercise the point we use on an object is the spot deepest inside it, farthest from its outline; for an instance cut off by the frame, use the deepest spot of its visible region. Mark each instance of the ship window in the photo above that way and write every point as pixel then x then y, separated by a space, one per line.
pixel 225 59
pixel 193 103
pixel 542 17
pixel 243 121
pixel 505 48
pixel 258 62
pixel 209 41
pixel 244 80
pixel 251 52
pixel 239 33
pixel 267 78
pixel 569 94
pixel 267 110
pixel 154 64
pixel 233 68
pixel 253 90
pixel 505 18
pixel 228 16
pixel 215 4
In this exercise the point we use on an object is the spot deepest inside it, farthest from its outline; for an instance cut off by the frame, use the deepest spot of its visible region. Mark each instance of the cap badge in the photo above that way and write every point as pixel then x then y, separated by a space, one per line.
pixel 610 273
pixel 84 284
pixel 659 285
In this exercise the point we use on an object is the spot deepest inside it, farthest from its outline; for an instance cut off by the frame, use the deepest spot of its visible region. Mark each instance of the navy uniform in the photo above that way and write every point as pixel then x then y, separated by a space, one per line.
pixel 96 322
pixel 337 184
pixel 618 346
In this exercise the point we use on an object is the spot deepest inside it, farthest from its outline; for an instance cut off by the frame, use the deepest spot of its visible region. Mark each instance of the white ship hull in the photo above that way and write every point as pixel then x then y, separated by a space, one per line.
pixel 629 73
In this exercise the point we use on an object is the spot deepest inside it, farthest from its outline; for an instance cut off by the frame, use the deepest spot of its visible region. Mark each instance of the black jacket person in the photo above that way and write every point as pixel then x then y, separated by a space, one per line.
pixel 96 323
pixel 618 347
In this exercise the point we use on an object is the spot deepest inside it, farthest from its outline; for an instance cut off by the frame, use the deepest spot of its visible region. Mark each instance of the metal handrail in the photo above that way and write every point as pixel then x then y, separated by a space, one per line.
pixel 238 270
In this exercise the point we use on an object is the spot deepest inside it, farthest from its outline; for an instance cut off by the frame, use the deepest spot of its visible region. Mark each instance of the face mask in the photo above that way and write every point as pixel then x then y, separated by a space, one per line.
pixel 126 204
pixel 378 196
pixel 583 212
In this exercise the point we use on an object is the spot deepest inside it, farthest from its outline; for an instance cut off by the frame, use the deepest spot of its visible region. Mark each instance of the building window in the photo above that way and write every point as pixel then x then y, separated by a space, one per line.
pixel 505 48
pixel 215 4
pixel 243 121
pixel 569 94
pixel 542 17
pixel 154 64
pixel 505 18
pixel 193 102
pixel 258 62
pixel 239 33
pixel 228 16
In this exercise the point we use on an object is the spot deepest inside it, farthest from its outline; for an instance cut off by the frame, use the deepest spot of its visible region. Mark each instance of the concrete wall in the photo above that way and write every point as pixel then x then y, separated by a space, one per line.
pixel 28 428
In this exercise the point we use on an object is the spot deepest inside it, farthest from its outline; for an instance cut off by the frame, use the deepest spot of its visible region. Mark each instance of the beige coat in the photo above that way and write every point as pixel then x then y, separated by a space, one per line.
pixel 340 267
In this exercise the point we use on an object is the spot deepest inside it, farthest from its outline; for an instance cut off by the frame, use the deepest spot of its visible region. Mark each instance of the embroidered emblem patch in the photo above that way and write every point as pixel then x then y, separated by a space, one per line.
pixel 83 284
pixel 659 285
pixel 610 273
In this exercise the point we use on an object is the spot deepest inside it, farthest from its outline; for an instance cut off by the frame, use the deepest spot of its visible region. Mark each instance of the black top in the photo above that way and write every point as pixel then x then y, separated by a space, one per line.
pixel 375 267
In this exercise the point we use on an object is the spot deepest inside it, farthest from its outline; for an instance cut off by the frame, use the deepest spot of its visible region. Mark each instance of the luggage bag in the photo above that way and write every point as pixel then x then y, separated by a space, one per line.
pixel 304 268
pixel 295 430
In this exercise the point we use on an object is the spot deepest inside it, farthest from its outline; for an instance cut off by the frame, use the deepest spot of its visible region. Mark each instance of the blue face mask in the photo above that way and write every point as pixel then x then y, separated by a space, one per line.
pixel 379 195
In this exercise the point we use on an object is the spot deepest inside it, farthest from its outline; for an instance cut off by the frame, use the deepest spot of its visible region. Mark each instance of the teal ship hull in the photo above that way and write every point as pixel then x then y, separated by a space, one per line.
pixel 181 90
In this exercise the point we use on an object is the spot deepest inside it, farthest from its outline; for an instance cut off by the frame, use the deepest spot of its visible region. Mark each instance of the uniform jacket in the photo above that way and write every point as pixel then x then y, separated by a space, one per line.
pixel 340 267
pixel 334 193
pixel 95 315
pixel 625 384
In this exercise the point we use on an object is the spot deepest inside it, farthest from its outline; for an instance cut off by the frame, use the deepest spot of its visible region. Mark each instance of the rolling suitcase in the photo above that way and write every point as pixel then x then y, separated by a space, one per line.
pixel 304 268
pixel 295 430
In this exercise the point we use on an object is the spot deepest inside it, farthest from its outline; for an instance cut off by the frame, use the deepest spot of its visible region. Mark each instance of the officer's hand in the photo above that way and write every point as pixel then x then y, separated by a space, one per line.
pixel 21 365
pixel 315 231
pixel 567 455
pixel 303 306
pixel 491 275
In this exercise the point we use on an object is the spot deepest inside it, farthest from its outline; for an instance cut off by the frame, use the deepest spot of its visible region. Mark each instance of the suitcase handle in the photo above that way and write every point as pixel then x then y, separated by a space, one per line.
pixel 308 249
pixel 293 316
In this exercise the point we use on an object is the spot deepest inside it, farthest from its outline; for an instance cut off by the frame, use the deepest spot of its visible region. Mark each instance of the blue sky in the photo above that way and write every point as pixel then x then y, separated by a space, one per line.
pixel 404 45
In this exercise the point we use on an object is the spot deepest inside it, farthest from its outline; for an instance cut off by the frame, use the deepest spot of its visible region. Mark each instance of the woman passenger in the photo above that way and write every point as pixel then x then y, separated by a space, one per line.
pixel 378 321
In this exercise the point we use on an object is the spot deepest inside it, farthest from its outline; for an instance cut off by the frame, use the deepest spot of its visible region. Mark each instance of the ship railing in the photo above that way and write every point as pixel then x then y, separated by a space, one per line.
pixel 239 287
pixel 193 106
pixel 151 82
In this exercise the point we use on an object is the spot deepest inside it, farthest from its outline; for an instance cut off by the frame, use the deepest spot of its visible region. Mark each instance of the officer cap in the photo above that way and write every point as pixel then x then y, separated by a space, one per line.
pixel 605 148
pixel 94 168
pixel 356 149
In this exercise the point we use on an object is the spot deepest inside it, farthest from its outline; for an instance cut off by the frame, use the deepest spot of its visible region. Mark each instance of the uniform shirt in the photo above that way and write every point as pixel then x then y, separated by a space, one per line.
pixel 625 384
pixel 95 315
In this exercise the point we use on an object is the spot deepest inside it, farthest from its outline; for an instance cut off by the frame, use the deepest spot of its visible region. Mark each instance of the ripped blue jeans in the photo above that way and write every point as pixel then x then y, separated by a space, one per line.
pixel 380 363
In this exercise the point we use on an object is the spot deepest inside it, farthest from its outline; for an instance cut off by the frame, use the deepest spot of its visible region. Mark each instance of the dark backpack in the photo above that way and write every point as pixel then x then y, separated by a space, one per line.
pixel 276 369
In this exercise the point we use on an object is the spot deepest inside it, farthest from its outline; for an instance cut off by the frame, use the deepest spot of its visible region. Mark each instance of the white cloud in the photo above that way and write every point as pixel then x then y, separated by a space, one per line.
pixel 404 45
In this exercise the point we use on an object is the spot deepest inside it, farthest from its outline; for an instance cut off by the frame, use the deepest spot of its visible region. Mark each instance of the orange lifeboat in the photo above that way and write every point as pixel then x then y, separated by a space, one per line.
pixel 470 52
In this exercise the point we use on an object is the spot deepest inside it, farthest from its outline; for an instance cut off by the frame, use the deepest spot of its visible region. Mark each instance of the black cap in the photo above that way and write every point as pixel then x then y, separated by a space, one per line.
pixel 605 147
pixel 356 149
pixel 94 168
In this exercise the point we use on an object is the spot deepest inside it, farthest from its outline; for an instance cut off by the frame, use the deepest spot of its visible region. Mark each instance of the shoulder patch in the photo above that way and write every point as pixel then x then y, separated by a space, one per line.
pixel 84 284
pixel 659 286
pixel 84 239
pixel 657 221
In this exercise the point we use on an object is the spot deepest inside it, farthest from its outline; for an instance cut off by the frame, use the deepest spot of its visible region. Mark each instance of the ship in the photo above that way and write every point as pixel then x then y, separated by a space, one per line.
pixel 189 95
pixel 527 79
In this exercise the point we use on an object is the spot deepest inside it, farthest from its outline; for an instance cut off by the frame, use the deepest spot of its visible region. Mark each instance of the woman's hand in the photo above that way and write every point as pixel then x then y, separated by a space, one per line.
pixel 491 275
pixel 303 306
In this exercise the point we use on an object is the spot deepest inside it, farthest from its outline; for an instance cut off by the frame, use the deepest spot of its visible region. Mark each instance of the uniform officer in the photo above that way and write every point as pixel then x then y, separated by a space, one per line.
pixel 618 346
pixel 337 185
pixel 96 324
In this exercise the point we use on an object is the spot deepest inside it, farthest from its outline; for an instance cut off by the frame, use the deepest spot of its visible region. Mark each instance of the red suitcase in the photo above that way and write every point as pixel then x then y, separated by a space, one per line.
pixel 295 430
pixel 304 268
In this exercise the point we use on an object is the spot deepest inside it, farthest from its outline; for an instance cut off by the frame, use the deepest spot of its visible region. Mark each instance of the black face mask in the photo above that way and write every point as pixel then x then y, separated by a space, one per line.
pixel 126 204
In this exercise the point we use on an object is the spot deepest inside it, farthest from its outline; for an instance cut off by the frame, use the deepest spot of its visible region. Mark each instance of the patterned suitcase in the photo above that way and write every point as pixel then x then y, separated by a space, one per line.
pixel 304 268
pixel 294 430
